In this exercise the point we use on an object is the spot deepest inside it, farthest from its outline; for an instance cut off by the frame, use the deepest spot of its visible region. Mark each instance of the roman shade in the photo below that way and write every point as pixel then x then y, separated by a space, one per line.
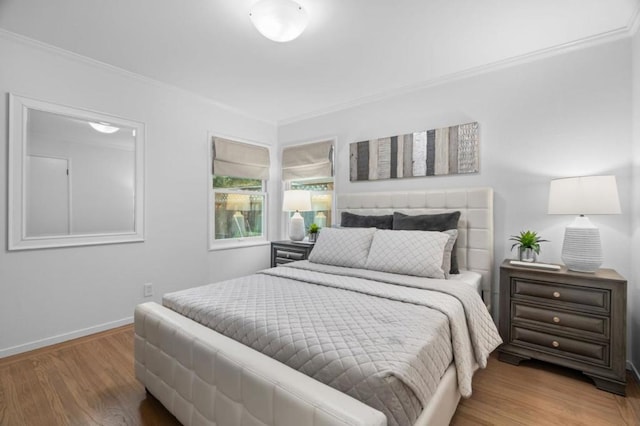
pixel 312 160
pixel 239 159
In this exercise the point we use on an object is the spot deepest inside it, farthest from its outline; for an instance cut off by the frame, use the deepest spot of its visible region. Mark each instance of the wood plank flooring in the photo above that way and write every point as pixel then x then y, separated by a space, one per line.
pixel 90 381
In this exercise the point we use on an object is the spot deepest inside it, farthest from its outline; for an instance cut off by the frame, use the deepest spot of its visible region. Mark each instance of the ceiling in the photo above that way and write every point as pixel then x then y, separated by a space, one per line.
pixel 353 50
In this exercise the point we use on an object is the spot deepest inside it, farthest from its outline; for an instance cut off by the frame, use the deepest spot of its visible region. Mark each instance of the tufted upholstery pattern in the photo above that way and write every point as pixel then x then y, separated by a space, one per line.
pixel 475 228
pixel 205 378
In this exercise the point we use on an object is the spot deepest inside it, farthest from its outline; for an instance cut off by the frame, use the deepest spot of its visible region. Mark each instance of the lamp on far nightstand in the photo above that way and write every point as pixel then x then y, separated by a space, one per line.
pixel 320 204
pixel 296 200
pixel 238 203
pixel 581 249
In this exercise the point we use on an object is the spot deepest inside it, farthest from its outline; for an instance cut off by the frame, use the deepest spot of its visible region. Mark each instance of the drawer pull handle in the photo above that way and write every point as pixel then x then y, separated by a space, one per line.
pixel 556 294
pixel 555 343
pixel 556 319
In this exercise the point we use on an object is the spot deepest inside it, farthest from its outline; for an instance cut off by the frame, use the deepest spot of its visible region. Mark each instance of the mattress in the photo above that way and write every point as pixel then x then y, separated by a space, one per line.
pixel 471 278
pixel 383 340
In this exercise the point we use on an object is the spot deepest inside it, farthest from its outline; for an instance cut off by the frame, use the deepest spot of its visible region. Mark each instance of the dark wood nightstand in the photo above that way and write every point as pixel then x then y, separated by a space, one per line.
pixel 289 251
pixel 573 319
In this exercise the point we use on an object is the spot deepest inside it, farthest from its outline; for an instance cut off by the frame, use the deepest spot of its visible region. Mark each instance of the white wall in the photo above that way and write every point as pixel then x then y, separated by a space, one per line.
pixel 634 286
pixel 564 115
pixel 53 294
pixel 102 185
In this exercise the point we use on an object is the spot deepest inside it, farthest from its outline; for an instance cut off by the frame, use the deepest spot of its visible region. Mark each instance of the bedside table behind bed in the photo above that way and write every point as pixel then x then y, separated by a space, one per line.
pixel 289 251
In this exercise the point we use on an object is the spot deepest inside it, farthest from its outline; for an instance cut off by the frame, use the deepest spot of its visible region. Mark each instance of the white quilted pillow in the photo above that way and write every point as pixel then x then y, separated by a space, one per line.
pixel 418 253
pixel 343 247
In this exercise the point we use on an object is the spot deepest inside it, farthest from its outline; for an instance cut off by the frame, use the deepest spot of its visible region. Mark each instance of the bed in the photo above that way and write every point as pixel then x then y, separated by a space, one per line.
pixel 205 377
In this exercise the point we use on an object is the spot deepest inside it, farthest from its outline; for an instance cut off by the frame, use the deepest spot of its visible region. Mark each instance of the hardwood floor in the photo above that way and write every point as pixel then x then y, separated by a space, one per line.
pixel 90 381
pixel 536 393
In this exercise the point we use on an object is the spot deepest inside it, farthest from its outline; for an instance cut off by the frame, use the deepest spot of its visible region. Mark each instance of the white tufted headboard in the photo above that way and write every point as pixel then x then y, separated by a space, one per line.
pixel 475 228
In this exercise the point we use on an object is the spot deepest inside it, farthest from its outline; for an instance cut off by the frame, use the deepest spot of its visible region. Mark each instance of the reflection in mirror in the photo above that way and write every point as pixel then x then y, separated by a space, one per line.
pixel 82 176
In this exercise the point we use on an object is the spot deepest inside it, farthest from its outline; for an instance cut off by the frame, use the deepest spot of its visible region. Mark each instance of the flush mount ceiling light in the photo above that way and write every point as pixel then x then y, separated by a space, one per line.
pixel 279 20
pixel 103 127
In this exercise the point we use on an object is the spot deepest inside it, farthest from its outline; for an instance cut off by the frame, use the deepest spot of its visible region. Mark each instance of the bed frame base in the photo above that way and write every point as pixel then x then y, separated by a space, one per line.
pixel 205 378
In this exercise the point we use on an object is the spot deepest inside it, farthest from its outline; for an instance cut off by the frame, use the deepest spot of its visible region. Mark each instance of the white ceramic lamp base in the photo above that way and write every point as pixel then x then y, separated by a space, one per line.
pixel 296 227
pixel 238 225
pixel 582 250
pixel 320 220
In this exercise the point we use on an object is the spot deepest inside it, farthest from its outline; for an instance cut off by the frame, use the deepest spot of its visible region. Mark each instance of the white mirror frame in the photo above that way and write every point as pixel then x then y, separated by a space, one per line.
pixel 17 238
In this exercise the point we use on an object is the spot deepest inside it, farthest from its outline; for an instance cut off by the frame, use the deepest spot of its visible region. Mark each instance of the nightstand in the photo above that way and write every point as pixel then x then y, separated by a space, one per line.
pixel 573 319
pixel 289 251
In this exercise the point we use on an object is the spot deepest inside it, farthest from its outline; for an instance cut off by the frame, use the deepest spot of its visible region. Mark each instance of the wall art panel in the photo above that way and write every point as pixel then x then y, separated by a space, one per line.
pixel 446 151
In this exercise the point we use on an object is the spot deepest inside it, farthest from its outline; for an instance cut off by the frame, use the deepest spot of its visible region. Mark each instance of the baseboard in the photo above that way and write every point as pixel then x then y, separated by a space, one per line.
pixel 634 370
pixel 14 350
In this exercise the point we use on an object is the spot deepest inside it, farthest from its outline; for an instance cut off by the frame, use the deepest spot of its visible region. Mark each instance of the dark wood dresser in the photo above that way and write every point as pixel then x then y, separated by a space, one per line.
pixel 289 251
pixel 573 319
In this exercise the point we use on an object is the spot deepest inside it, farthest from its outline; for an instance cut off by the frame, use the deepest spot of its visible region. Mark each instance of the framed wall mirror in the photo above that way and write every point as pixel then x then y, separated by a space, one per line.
pixel 76 177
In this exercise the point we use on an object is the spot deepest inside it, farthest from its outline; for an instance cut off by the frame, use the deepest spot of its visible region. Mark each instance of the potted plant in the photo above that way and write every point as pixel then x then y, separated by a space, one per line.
pixel 528 243
pixel 313 232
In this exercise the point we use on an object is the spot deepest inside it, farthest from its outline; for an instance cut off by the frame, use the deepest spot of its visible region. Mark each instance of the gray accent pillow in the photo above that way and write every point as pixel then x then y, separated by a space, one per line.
pixel 431 222
pixel 342 247
pixel 417 253
pixel 350 220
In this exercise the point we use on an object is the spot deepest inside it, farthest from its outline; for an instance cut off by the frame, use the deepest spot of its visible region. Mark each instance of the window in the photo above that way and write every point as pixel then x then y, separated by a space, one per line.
pixel 238 181
pixel 321 200
pixel 310 167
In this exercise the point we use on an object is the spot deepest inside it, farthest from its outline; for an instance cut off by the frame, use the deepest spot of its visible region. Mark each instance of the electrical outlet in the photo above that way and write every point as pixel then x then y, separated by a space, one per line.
pixel 148 290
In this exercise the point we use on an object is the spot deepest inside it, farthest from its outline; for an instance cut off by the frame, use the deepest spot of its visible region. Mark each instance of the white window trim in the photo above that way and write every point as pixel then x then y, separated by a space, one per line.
pixel 232 243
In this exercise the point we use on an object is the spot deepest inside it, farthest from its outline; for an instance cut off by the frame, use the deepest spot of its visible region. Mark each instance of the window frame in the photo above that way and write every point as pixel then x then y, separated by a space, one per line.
pixel 286 184
pixel 229 243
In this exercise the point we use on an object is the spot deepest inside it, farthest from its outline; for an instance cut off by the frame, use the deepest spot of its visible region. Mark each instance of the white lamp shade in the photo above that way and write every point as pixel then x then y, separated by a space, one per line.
pixel 238 202
pixel 584 195
pixel 321 202
pixel 279 20
pixel 296 200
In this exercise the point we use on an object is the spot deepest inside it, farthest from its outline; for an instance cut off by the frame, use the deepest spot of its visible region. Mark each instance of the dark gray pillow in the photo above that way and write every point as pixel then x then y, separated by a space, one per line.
pixel 350 220
pixel 430 222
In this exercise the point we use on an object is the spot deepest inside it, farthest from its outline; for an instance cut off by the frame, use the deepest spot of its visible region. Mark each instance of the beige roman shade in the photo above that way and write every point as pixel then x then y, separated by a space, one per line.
pixel 239 159
pixel 313 160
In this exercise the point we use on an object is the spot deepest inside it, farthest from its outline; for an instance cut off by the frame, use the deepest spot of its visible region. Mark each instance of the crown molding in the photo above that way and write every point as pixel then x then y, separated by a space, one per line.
pixel 594 40
pixel 10 35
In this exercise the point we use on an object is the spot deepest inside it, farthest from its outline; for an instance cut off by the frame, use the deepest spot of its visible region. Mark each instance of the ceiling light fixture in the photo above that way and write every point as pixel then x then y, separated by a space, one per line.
pixel 279 20
pixel 103 127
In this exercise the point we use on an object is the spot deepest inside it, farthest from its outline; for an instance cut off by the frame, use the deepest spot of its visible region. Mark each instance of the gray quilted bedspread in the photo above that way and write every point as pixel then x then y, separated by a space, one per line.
pixel 384 339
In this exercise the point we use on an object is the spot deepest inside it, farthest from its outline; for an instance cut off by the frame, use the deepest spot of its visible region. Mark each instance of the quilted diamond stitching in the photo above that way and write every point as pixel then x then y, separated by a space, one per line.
pixel 343 247
pixel 364 353
pixel 418 253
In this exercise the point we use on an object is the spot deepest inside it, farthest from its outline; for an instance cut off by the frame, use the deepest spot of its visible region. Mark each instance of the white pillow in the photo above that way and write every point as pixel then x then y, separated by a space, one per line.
pixel 418 253
pixel 448 249
pixel 343 247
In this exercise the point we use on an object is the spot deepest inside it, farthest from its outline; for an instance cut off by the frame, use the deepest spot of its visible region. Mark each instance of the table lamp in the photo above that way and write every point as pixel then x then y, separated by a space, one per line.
pixel 586 195
pixel 320 204
pixel 238 203
pixel 296 200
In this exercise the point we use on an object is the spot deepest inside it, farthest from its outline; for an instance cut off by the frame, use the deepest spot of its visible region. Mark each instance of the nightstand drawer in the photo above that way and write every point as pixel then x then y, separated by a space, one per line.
pixel 291 255
pixel 593 352
pixel 595 326
pixel 595 298
pixel 289 251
